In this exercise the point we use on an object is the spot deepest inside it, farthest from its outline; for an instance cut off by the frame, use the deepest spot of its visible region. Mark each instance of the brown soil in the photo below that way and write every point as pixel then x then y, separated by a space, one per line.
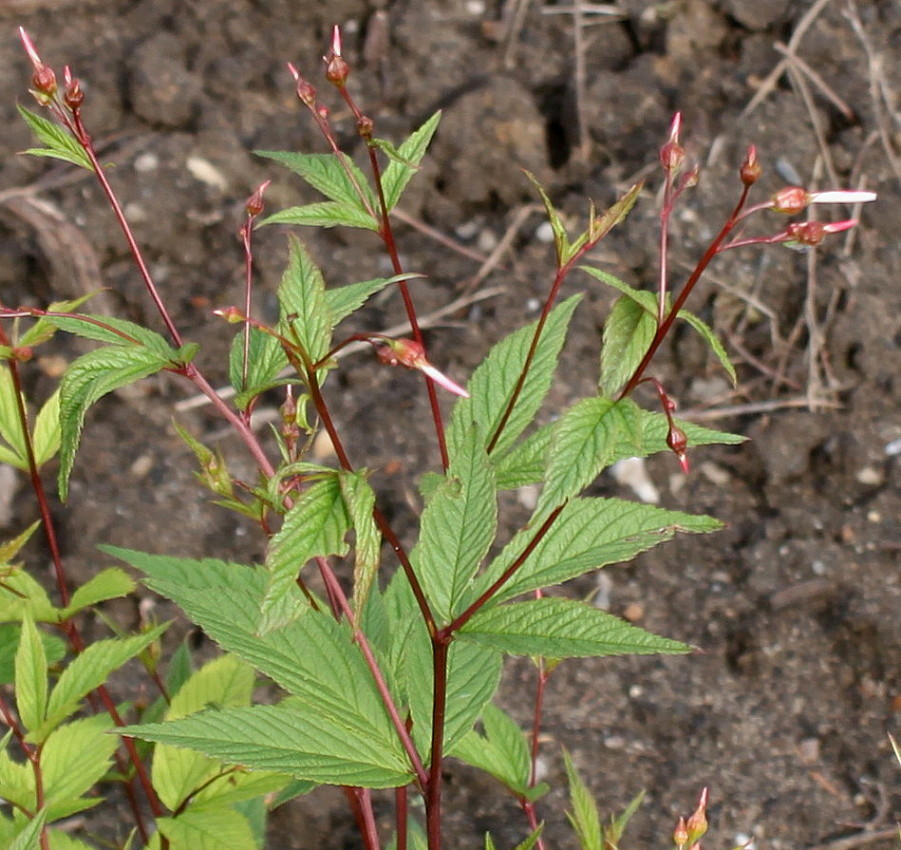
pixel 784 711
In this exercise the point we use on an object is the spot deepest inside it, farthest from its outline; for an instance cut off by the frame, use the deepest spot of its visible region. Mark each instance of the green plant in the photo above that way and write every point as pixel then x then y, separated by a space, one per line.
pixel 381 682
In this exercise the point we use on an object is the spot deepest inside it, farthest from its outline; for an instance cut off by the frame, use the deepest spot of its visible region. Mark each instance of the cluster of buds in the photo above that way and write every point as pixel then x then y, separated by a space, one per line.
pixel 409 353
pixel 688 833
pixel 673 160
pixel 46 89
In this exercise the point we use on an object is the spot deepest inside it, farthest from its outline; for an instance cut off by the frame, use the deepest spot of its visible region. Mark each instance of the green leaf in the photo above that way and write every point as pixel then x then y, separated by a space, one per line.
pixel 527 844
pixel 111 583
pixel 10 425
pixel 114 331
pixel 457 527
pixel 54 650
pixel 59 141
pixel 628 333
pixel 88 379
pixel 561 240
pixel 491 385
pixel 584 443
pixel 90 669
pixel 74 758
pixel 31 676
pixel 562 628
pixel 312 657
pixel 502 751
pixel 335 175
pixel 713 341
pixel 266 359
pixel 304 312
pixel 208 829
pixel 403 165
pixel 344 300
pixel 177 774
pixel 21 595
pixel 11 548
pixel 359 499
pixel 46 437
pixel 584 817
pixel 587 535
pixel 293 737
pixel 314 526
pixel 30 836
pixel 526 461
pixel 324 214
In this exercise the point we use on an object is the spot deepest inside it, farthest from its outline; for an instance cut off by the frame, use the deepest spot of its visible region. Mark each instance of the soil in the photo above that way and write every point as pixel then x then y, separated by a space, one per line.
pixel 784 710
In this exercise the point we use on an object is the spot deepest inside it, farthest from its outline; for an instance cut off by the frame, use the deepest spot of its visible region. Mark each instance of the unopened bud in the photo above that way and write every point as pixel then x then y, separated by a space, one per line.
pixel 74 95
pixel 254 204
pixel 44 80
pixel 697 823
pixel 678 444
pixel 305 90
pixel 22 353
pixel 232 315
pixel 750 169
pixel 409 353
pixel 672 154
pixel 680 834
pixel 365 127
pixel 790 200
pixel 336 69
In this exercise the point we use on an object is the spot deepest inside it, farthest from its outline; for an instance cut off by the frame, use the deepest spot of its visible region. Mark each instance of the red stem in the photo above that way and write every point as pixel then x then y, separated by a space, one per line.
pixel 440 647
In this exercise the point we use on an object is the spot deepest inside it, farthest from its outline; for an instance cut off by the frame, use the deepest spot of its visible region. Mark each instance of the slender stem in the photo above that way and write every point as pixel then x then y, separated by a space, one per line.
pixel 666 210
pixel 246 239
pixel 401 809
pixel 370 831
pixel 662 330
pixel 440 648
pixel 365 822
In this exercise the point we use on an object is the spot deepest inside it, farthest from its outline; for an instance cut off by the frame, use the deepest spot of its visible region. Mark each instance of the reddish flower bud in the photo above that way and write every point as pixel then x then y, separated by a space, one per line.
pixel 680 834
pixel 806 232
pixel 254 204
pixel 790 200
pixel 678 443
pixel 365 126
pixel 697 823
pixel 22 353
pixel 44 81
pixel 409 353
pixel 336 69
pixel 232 315
pixel 73 96
pixel 672 154
pixel 750 169
pixel 305 90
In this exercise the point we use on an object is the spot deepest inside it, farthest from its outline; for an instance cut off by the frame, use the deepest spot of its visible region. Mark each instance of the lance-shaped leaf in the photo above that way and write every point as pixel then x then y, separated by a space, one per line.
pixel 29 838
pixel 716 346
pixel 31 676
pixel 493 382
pixel 301 294
pixel 114 331
pixel 405 160
pixel 324 214
pixel 335 175
pixel 502 751
pixel 88 379
pixel 293 737
pixel 314 526
pixel 312 657
pixel 584 816
pixel 265 360
pixel 343 300
pixel 111 583
pixel 457 526
pixel 359 499
pixel 587 535
pixel 562 628
pixel 54 650
pixel 585 441
pixel 628 333
pixel 89 670
pixel 59 142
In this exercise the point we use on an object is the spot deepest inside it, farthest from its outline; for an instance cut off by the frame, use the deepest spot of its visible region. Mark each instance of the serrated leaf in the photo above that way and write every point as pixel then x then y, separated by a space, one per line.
pixel 359 499
pixel 177 773
pixel 324 214
pixel 114 331
pixel 492 384
pixel 712 340
pixel 301 294
pixel 45 440
pixel 457 527
pixel 88 379
pixel 562 628
pixel 588 534
pixel 292 737
pixel 10 548
pixel 628 333
pixel 561 240
pixel 584 817
pixel 90 669
pixel 335 175
pixel 10 425
pixel 403 166
pixel 525 462
pixel 21 595
pixel 59 141
pixel 344 300
pixel 502 751
pixel 75 757
pixel 29 838
pixel 54 650
pixel 584 442
pixel 312 657
pixel 314 526
pixel 208 829
pixel 265 360
pixel 111 583
pixel 31 676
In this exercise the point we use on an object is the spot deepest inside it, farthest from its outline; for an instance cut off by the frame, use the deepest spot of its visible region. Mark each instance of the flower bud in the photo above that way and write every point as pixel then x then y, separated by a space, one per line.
pixel 254 204
pixel 365 126
pixel 806 232
pixel 74 95
pixel 409 353
pixel 750 169
pixel 697 823
pixel 336 69
pixel 680 834
pixel 678 444
pixel 304 89
pixel 44 81
pixel 232 315
pixel 22 353
pixel 672 155
pixel 790 200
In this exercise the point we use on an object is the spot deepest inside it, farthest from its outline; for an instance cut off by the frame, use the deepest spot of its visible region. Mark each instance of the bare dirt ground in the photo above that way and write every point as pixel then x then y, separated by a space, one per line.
pixel 796 607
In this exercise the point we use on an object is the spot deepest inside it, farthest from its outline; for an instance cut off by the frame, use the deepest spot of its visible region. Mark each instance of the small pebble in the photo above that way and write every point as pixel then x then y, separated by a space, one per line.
pixel 527 496
pixel 141 466
pixel 870 476
pixel 204 171
pixel 893 448
pixel 602 594
pixel 146 162
pixel 544 232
